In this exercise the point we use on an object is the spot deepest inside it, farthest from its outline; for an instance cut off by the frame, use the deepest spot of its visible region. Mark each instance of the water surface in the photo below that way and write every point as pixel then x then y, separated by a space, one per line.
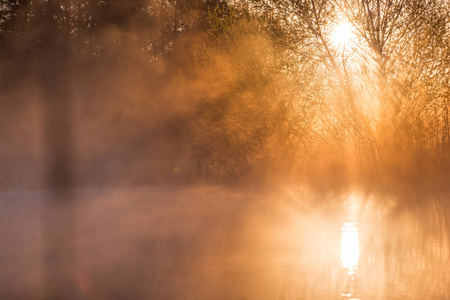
pixel 213 243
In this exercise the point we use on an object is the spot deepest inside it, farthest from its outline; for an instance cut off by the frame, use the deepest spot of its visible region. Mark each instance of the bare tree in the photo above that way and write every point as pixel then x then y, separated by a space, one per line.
pixel 391 75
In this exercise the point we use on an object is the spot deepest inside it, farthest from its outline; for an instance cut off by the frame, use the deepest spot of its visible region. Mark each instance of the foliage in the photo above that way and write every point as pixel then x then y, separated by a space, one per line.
pixel 257 121
pixel 384 94
pixel 259 86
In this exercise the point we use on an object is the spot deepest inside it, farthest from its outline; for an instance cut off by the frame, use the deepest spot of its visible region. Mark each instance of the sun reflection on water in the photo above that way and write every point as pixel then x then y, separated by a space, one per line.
pixel 349 246
pixel 350 250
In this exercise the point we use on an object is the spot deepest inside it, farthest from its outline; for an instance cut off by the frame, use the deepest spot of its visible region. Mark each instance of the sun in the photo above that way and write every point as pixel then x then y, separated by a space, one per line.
pixel 342 34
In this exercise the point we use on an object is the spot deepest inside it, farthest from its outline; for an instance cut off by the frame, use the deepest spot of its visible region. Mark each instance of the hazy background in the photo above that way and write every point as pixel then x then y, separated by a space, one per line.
pixel 146 92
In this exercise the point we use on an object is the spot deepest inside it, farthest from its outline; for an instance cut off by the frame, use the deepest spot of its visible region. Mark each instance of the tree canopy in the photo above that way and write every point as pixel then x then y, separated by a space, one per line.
pixel 249 87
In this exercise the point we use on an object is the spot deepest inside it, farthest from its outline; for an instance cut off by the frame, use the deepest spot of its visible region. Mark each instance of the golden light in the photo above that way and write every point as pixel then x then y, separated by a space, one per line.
pixel 342 34
pixel 349 246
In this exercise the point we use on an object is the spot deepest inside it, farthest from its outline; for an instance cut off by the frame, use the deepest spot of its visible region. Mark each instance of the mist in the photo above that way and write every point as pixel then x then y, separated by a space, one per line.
pixel 224 149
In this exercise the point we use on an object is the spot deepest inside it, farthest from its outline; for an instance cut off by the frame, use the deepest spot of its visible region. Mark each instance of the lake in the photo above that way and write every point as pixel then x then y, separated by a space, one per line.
pixel 217 243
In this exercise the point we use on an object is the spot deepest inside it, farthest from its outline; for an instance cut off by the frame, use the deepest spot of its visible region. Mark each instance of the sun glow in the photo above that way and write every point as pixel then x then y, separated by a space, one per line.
pixel 342 34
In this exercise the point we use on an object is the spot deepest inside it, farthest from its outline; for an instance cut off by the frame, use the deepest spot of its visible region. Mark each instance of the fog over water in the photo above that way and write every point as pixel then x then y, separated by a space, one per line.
pixel 216 243
pixel 161 149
